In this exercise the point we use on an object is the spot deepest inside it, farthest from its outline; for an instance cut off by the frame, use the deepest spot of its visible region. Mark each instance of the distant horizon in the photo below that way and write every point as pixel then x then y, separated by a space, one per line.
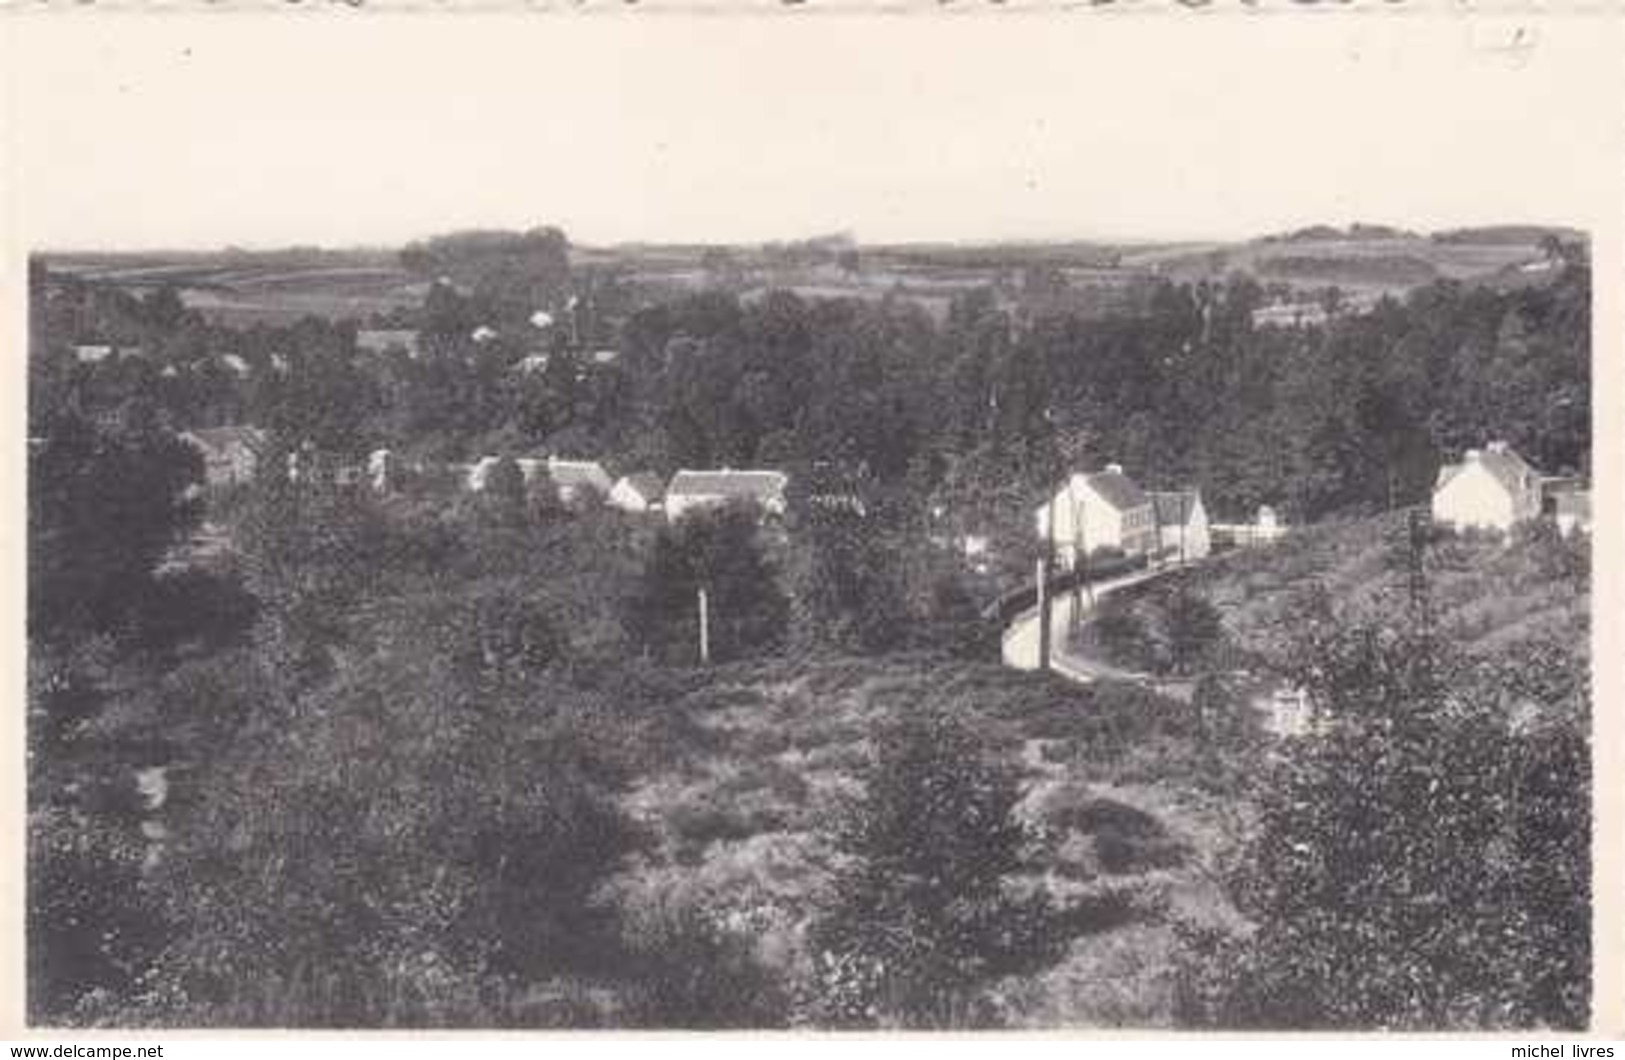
pixel 857 238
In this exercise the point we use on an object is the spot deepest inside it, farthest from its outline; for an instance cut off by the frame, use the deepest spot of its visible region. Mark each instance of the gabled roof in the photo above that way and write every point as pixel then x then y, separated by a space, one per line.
pixel 568 474
pixel 645 484
pixel 1502 462
pixel 378 340
pixel 746 485
pixel 216 441
pixel 1117 490
pixel 1174 507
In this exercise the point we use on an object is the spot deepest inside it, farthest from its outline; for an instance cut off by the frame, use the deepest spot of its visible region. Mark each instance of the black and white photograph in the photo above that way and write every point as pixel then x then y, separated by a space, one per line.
pixel 582 520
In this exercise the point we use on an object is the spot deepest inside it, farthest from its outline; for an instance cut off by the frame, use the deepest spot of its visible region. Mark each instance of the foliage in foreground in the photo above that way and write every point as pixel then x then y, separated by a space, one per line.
pixel 920 912
pixel 1424 857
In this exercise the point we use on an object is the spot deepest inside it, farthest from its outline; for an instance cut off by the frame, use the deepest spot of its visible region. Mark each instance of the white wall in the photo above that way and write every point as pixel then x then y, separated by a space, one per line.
pixel 1474 498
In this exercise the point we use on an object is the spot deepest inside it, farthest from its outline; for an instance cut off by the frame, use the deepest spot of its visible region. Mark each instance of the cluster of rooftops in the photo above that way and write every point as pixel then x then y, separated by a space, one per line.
pixel 1491 488
pixel 644 491
pixel 231 456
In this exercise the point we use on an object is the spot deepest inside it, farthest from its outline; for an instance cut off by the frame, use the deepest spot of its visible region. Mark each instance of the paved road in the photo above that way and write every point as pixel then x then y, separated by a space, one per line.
pixel 1021 638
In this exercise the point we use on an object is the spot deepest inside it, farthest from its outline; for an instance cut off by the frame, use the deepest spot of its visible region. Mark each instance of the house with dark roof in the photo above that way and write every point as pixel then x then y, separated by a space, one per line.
pixel 230 454
pixel 694 490
pixel 1489 489
pixel 1182 524
pixel 638 493
pixel 1101 509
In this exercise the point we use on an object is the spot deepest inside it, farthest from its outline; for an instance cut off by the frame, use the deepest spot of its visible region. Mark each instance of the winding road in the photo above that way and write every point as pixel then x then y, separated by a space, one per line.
pixel 1020 646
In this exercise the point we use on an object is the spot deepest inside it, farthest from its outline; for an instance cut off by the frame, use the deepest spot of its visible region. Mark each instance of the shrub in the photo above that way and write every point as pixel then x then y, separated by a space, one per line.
pixel 92 927
pixel 919 914
pixel 1422 862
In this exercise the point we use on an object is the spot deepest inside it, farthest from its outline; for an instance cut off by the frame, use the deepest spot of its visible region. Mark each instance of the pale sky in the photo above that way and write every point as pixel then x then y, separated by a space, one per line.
pixel 341 128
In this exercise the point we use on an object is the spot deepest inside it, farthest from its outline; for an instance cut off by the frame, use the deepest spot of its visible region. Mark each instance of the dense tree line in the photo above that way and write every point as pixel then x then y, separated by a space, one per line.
pixel 1351 415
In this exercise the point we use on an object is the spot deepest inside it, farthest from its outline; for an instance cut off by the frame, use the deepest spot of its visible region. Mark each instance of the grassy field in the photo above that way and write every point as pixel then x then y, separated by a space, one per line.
pixel 270 287
pixel 278 286
pixel 1132 815
pixel 1363 265
pixel 1486 593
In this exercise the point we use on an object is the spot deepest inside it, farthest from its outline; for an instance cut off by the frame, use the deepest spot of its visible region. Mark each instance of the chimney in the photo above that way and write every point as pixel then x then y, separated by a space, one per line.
pixel 1471 456
pixel 1114 469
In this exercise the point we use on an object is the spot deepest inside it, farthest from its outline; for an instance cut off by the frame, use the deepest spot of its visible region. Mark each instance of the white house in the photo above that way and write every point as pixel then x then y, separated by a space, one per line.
pixel 1182 524
pixel 574 479
pixel 1104 509
pixel 637 493
pixel 691 490
pixel 1491 489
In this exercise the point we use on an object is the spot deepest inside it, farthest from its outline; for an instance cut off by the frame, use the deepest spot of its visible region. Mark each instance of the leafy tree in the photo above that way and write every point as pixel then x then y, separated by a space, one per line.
pixel 921 913
pixel 1188 626
pixel 92 928
pixel 430 820
pixel 720 551
pixel 310 549
pixel 1422 861
pixel 846 572
pixel 106 501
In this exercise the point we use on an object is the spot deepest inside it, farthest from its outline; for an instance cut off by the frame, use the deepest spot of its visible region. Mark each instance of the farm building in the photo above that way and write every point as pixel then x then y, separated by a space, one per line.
pixel 1490 489
pixel 229 453
pixel 1572 511
pixel 1265 528
pixel 692 490
pixel 637 493
pixel 1103 509
pixel 1182 524
pixel 574 479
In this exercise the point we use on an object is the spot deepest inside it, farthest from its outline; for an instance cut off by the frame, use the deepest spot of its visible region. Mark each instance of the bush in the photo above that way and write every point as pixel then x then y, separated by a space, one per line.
pixel 1422 862
pixel 919 915
pixel 92 927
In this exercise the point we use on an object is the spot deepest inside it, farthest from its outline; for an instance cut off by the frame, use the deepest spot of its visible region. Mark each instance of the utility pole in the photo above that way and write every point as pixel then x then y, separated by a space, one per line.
pixel 1045 606
pixel 1083 551
pixel 705 628
pixel 1076 618
pixel 1043 612
pixel 1415 555
pixel 1184 517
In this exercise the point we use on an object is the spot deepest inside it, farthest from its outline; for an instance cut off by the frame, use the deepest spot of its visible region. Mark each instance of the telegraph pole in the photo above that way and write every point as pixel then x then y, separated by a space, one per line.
pixel 1083 551
pixel 1045 606
pixel 1043 612
pixel 705 627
